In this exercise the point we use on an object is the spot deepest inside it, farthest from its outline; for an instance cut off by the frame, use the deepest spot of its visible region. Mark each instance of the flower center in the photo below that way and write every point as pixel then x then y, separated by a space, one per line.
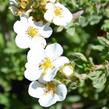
pixel 51 86
pixel 58 11
pixel 47 63
pixel 23 3
pixel 31 31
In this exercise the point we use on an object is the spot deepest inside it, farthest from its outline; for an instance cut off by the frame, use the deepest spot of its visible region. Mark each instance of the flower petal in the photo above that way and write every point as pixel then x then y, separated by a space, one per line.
pixel 32 74
pixel 61 92
pixel 50 74
pixel 22 41
pixel 53 50
pixel 31 64
pixel 59 21
pixel 36 89
pixel 47 99
pixel 57 4
pixel 30 21
pixel 37 42
pixel 69 16
pixel 61 61
pixel 48 15
pixel 36 55
pixel 20 26
pixel 47 31
pixel 17 28
pixel 50 6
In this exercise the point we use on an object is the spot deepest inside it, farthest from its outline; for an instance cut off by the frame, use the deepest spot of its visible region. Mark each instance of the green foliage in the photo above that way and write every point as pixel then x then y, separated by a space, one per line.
pixel 86 44
pixel 98 80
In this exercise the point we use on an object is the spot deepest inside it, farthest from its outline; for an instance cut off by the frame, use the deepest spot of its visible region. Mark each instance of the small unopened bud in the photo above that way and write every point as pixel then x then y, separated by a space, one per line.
pixel 67 70
pixel 83 76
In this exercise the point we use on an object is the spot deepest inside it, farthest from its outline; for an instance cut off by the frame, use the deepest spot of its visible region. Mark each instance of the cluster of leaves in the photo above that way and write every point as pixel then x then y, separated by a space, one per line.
pixel 86 44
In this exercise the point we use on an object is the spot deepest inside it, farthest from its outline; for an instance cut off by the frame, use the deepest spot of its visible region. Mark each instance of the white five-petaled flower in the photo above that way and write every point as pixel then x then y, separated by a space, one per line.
pixel 58 14
pixel 44 63
pixel 48 93
pixel 31 33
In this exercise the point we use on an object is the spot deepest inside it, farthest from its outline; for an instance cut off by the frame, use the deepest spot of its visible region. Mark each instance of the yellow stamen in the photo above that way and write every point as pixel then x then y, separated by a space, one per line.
pixel 58 11
pixel 51 86
pixel 47 63
pixel 31 31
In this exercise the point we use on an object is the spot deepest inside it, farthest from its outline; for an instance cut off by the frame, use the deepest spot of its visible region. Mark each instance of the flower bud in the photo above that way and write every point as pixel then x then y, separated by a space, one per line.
pixel 67 70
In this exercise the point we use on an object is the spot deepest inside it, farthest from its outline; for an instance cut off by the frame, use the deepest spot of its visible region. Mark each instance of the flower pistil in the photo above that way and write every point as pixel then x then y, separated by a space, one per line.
pixel 31 31
pixel 47 63
pixel 58 11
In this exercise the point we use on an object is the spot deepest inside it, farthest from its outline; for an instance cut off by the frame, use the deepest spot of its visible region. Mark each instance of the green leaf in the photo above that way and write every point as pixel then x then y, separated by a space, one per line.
pixel 83 21
pixel 97 47
pixel 4 99
pixel 80 56
pixel 105 26
pixel 103 41
pixel 71 31
pixel 72 99
pixel 94 19
pixel 59 29
pixel 37 107
pixel 98 80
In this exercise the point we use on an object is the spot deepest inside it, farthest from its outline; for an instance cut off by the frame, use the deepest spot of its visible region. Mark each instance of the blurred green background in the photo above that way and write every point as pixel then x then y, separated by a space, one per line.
pixel 87 35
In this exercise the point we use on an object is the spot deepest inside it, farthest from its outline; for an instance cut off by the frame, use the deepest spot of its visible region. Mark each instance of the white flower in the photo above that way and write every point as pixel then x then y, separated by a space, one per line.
pixel 58 14
pixel 30 33
pixel 44 63
pixel 48 93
